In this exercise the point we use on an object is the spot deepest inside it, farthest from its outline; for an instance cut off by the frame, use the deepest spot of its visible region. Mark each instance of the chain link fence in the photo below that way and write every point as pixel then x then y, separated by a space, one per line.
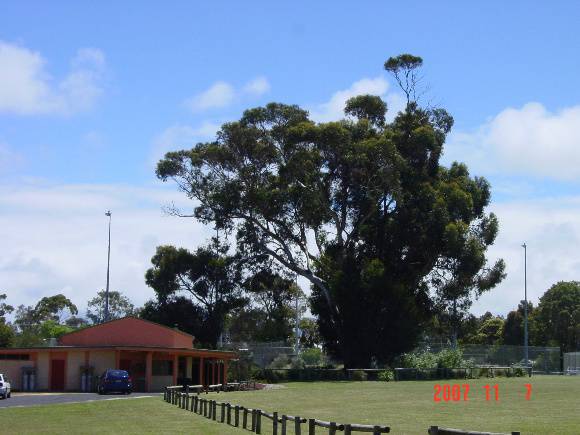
pixel 572 363
pixel 542 359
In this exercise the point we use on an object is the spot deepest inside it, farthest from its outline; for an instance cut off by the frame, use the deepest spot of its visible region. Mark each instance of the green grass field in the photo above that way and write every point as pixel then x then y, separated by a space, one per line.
pixel 407 407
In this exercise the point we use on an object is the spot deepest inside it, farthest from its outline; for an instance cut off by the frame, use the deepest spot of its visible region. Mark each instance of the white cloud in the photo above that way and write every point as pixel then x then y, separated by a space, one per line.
pixel 26 88
pixel 54 238
pixel 178 137
pixel 551 229
pixel 527 141
pixel 222 94
pixel 257 87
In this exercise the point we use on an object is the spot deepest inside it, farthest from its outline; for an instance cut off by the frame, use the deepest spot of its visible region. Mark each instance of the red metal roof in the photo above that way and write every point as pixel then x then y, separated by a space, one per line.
pixel 128 331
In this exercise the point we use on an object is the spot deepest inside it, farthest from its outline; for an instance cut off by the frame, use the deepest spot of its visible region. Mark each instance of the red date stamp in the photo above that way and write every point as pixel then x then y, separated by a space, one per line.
pixel 460 392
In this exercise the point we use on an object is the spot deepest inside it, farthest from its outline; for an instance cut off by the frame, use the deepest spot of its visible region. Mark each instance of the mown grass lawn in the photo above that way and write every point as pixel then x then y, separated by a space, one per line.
pixel 407 407
pixel 131 416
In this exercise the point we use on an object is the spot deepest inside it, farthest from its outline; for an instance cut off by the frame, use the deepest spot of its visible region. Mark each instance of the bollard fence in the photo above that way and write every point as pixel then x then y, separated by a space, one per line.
pixel 435 430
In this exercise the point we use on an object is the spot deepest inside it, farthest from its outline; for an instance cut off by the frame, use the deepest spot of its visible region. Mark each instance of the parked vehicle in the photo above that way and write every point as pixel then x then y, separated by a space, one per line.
pixel 117 381
pixel 5 389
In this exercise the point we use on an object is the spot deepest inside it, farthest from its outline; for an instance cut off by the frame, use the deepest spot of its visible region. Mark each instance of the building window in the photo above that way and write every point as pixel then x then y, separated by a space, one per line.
pixel 15 356
pixel 162 368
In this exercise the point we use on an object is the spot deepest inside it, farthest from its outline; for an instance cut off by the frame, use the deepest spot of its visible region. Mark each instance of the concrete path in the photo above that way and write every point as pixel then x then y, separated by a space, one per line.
pixel 33 399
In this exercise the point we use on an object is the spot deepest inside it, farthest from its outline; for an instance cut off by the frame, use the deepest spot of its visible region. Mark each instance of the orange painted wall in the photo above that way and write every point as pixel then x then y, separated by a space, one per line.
pixel 128 332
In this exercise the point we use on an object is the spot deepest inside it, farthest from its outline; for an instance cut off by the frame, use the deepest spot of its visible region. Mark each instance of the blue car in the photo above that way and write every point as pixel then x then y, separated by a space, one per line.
pixel 117 381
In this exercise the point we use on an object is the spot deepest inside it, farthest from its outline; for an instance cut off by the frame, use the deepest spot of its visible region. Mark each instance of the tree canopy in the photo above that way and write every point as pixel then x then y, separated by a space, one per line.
pixel 556 320
pixel 119 306
pixel 359 207
pixel 208 276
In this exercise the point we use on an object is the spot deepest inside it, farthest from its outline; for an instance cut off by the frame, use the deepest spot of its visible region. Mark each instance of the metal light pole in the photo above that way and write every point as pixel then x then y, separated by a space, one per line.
pixel 525 303
pixel 106 315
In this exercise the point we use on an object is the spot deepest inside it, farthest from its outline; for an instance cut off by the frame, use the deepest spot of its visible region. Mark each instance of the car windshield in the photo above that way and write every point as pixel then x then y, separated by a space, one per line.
pixel 117 374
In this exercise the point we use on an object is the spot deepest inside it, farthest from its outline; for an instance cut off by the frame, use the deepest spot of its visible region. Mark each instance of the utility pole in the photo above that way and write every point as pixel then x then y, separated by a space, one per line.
pixel 106 314
pixel 525 303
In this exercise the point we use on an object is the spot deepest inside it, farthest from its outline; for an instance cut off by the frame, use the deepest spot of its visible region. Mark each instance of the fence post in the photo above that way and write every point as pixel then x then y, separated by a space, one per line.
pixel 214 410
pixel 311 426
pixel 297 425
pixel 275 423
pixel 253 420
pixel 377 430
pixel 347 429
pixel 258 421
pixel 245 418
pixel 283 424
pixel 229 417
pixel 332 429
pixel 433 430
pixel 236 416
pixel 204 406
pixel 223 412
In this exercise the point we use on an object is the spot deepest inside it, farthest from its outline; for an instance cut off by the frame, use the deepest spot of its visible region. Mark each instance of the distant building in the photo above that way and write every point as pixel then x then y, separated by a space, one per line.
pixel 153 354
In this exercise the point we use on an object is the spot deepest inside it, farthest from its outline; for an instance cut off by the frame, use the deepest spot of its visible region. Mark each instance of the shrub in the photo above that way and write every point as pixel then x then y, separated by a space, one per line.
pixel 358 375
pixel 282 361
pixel 297 363
pixel 452 359
pixel 446 359
pixel 312 357
pixel 386 376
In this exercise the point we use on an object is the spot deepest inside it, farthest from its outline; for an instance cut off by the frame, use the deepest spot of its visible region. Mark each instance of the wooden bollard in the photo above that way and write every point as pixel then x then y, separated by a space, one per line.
pixel 245 419
pixel 332 428
pixel 311 426
pixel 274 423
pixel 253 420
pixel 213 416
pixel 283 425
pixel 223 412
pixel 229 414
pixel 377 430
pixel 347 429
pixel 258 421
pixel 297 425
pixel 236 416
pixel 204 403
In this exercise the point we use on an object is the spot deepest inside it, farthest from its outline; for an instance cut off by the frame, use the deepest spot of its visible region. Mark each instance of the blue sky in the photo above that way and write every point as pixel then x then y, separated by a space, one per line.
pixel 92 95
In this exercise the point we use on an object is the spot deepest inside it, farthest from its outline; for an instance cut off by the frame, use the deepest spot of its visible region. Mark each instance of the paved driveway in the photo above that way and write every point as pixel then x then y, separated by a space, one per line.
pixel 30 399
